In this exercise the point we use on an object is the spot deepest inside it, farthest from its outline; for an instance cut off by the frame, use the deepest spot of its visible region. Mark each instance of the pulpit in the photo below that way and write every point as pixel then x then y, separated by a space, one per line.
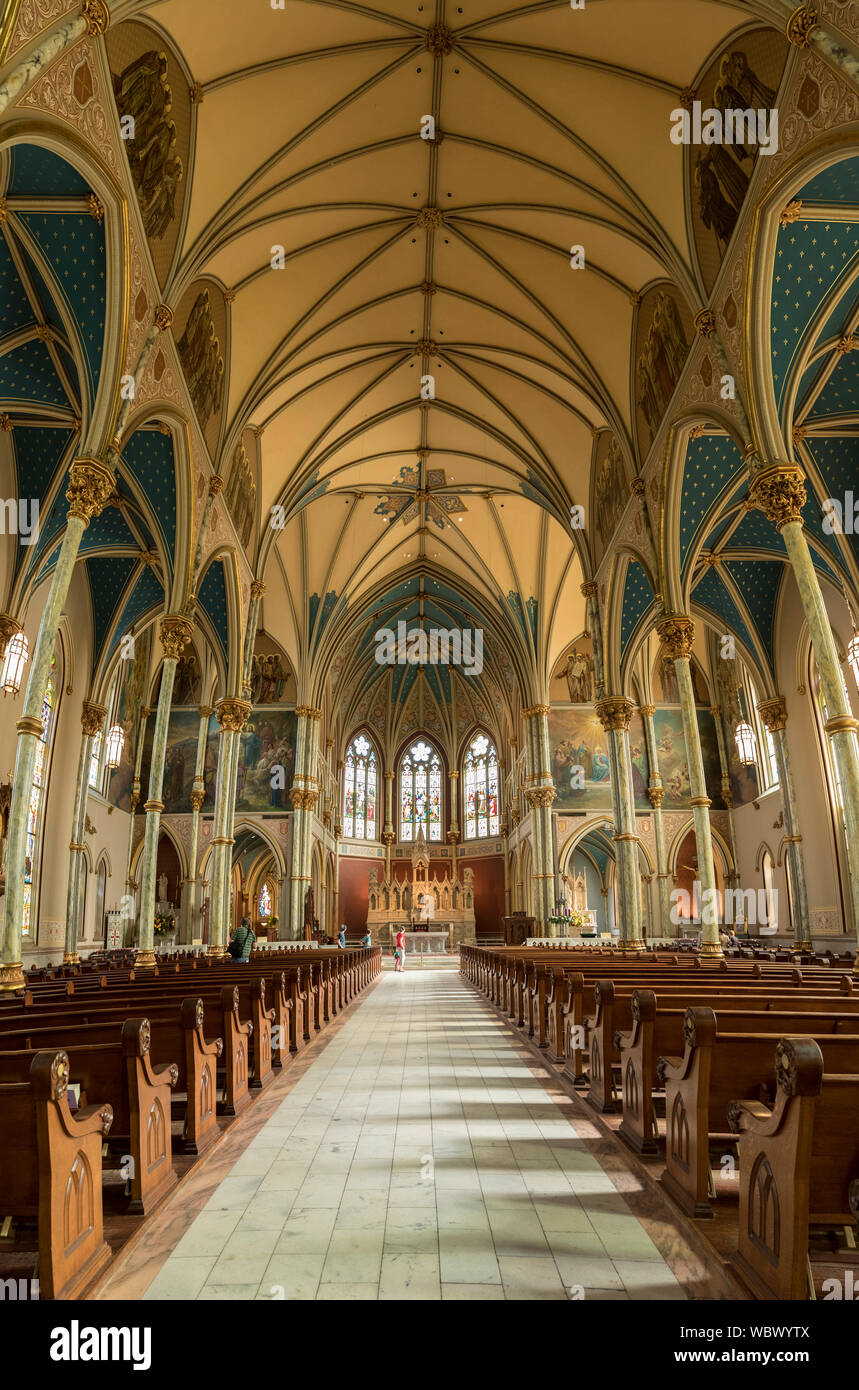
pixel 517 928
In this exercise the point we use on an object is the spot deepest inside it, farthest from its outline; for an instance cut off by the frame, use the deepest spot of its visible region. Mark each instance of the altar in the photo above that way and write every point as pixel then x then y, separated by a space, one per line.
pixel 441 908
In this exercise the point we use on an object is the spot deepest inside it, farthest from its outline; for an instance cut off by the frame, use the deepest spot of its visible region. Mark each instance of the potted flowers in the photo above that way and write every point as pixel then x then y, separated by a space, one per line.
pixel 165 926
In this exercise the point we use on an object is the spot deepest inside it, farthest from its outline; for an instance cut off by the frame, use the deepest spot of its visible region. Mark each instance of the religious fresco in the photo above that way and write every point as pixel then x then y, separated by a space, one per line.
pixel 272 679
pixel 573 677
pixel 152 94
pixel 580 761
pixel 267 743
pixel 664 680
pixel 746 75
pixel 200 333
pixel 240 494
pixel 609 491
pixel 664 333
pixel 130 698
pixel 180 760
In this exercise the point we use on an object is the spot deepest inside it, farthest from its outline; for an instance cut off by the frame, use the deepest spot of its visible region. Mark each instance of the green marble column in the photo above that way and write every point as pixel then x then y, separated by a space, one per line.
pixel 655 794
pixel 91 483
pixel 592 612
pixel 805 30
pixel 198 796
pixel 677 633
pixel 257 591
pixel 216 487
pixel 130 885
pixel 774 714
pixel 614 713
pixel 389 834
pixel 779 490
pixel 303 795
pixel 727 793
pixel 175 634
pixel 540 796
pixel 233 715
pixel 92 720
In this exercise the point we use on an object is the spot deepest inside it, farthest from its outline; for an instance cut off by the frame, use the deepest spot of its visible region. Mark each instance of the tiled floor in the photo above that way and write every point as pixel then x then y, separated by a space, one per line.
pixel 417 1158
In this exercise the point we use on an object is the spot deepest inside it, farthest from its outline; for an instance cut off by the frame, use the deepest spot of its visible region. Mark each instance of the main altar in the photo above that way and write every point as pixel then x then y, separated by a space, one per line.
pixel 573 917
pixel 437 914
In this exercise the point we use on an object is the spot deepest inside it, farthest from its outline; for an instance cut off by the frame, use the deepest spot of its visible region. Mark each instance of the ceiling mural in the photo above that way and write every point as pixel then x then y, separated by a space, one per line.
pixel 610 492
pixel 664 334
pixel 200 334
pixel 745 75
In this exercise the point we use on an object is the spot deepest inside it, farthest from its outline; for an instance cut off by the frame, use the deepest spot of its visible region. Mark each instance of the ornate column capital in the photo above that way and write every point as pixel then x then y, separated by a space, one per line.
pixel 647 711
pixel 216 485
pixel 800 25
pixel 534 711
pixel 614 712
pixel 677 633
pixel 453 774
pixel 303 798
pixel 197 799
pixel 205 711
pixel 388 776
pixel 774 713
pixel 589 589
pixel 97 17
pixel 540 796
pixel 91 484
pixel 308 712
pixel 163 318
pixel 175 633
pixel 779 491
pixel 233 714
pixel 655 796
pixel 257 588
pixel 92 718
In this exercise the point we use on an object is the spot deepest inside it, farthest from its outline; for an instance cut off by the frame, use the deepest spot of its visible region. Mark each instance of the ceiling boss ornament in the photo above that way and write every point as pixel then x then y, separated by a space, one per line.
pixel 97 17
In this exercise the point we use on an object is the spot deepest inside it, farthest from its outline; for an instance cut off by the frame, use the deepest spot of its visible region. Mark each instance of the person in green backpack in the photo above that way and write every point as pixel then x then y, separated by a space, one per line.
pixel 242 943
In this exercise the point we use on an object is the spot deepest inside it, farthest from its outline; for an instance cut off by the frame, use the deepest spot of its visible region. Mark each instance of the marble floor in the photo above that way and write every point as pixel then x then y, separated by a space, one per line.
pixel 419 1156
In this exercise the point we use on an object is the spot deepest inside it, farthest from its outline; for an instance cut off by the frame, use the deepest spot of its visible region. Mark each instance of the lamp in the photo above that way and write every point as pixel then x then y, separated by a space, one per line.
pixel 13 664
pixel 115 740
pixel 746 744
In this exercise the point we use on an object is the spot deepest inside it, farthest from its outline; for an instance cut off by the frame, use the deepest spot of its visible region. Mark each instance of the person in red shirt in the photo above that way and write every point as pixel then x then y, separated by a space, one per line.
pixel 400 950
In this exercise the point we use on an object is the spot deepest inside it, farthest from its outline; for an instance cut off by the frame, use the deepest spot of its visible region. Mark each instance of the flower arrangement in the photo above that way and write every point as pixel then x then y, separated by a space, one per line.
pixel 165 924
pixel 578 919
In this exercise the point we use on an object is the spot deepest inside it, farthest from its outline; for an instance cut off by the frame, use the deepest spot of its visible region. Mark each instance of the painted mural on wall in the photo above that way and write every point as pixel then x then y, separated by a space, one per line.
pixel 130 698
pixel 152 95
pixel 241 491
pixel 200 333
pixel 664 333
pixel 180 760
pixel 272 678
pixel 609 490
pixel 268 743
pixel 573 676
pixel 580 761
pixel 664 679
pixel 745 75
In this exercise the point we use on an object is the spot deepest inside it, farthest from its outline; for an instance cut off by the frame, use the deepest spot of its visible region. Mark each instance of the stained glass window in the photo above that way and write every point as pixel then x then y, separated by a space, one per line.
pixel 360 772
pixel 37 797
pixel 265 900
pixel 480 790
pixel 420 792
pixel 95 758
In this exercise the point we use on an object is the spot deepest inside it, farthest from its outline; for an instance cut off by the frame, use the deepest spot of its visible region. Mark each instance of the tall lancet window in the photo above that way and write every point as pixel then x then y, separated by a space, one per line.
pixel 420 792
pixel 481 790
pixel 360 773
pixel 38 792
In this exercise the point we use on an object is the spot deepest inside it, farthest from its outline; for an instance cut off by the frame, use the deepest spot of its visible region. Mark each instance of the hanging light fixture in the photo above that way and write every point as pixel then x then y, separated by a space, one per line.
pixel 115 740
pixel 746 744
pixel 853 656
pixel 13 665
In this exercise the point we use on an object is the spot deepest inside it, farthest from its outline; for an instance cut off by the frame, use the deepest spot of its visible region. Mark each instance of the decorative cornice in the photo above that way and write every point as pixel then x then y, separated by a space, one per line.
pixel 676 633
pixel 774 713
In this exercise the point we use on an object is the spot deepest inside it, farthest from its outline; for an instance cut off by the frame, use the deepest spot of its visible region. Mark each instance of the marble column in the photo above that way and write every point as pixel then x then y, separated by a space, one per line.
pixel 453 834
pixel 175 633
pixel 257 591
pixel 198 796
pixel 92 720
pixel 592 613
pixel 774 714
pixel 540 795
pixel 614 713
pixel 389 834
pixel 779 490
pixel 655 794
pixel 216 487
pixel 91 483
pixel 727 793
pixel 130 885
pixel 304 795
pixel 806 30
pixel 232 716
pixel 677 633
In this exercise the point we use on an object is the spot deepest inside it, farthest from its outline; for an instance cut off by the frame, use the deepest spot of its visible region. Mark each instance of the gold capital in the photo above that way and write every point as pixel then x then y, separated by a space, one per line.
pixel 91 483
pixel 779 491
pixel 774 713
pixel 676 633
pixel 540 796
pixel 800 25
pixel 97 17
pixel 216 485
pixel 257 589
pixel 92 718
pixel 705 323
pixel 655 796
pixel 197 799
pixel 589 588
pixel 205 711
pixel 614 713
pixel 163 318
pixel 233 714
pixel 175 633
pixel 647 711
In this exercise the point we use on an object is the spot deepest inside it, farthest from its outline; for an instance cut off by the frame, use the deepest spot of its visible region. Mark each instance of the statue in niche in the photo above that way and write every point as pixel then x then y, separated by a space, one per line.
pixel 202 361
pixel 186 689
pixel 579 675
pixel 162 888
pixel 142 92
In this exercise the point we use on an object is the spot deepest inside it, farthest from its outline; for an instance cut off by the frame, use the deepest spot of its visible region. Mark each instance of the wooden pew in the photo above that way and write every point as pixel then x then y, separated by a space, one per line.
pixel 50 1172
pixel 798 1166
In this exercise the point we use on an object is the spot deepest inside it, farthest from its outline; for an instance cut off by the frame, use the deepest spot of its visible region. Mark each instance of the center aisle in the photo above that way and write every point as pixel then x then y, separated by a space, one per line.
pixel 417 1157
